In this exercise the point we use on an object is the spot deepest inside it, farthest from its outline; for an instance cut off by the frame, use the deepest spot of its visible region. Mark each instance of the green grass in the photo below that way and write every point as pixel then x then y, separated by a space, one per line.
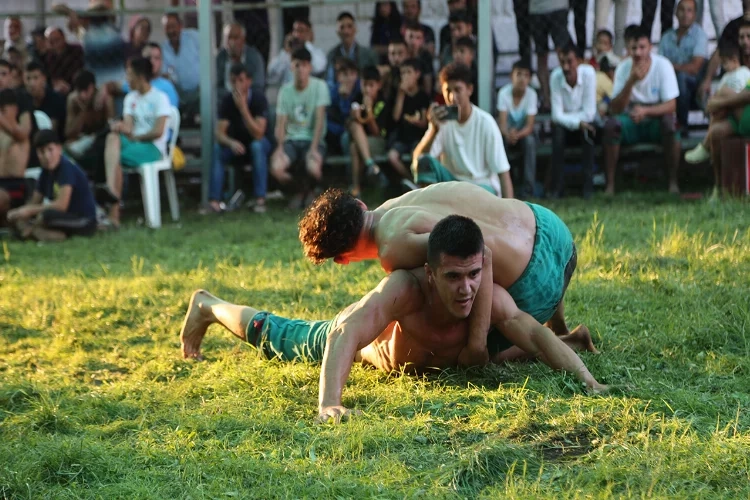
pixel 96 402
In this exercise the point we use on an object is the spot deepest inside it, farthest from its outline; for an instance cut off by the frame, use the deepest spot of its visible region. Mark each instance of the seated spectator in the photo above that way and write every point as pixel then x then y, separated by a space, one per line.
pixel 631 31
pixel 516 111
pixel 300 131
pixel 686 48
pixel 573 94
pixel 71 210
pixel 346 29
pixel 605 77
pixel 241 134
pixel 368 127
pixel 15 127
pixel 62 61
pixel 397 54
pixel 44 98
pixel 14 39
pixel 280 71
pixel 415 50
pixel 464 52
pixel 453 7
pixel 236 51
pixel 386 24
pixel 86 124
pixel 302 30
pixel 412 11
pixel 181 55
pixel 37 49
pixel 141 136
pixel 140 35
pixel 470 147
pixel 16 69
pixel 643 108
pixel 603 48
pixel 409 114
pixel 549 19
pixel 342 97
pixel 460 26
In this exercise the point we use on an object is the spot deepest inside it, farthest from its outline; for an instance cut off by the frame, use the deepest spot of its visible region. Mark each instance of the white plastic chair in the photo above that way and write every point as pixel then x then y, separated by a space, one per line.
pixel 149 173
pixel 43 122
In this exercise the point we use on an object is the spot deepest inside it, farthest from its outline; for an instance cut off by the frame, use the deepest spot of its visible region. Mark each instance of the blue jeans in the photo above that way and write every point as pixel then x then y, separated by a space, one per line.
pixel 687 85
pixel 259 151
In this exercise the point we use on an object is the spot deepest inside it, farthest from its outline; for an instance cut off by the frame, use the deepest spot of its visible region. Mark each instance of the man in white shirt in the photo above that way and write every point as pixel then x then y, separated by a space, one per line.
pixel 280 68
pixel 470 147
pixel 573 95
pixel 141 137
pixel 643 108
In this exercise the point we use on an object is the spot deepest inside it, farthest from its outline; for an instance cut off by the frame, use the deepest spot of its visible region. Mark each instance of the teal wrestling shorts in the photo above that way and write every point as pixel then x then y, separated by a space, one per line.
pixel 541 287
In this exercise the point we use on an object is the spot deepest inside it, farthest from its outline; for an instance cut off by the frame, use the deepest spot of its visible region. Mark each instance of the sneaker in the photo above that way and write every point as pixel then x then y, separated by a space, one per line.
pixel 259 208
pixel 698 154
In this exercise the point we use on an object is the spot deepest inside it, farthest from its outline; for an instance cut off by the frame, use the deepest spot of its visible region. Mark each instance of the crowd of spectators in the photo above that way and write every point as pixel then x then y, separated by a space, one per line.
pixel 402 110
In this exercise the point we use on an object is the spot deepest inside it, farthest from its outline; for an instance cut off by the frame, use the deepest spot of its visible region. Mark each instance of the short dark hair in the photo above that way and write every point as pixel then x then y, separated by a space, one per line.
pixel 302 54
pixel 152 45
pixel 397 40
pixel 141 67
pixel 303 20
pixel 174 15
pixel 521 65
pixel 412 63
pixel 455 235
pixel 8 97
pixel 35 66
pixel 460 16
pixel 455 72
pixel 606 33
pixel 414 26
pixel 237 69
pixel 83 80
pixel 45 137
pixel 13 50
pixel 630 31
pixel 466 41
pixel 345 64
pixel 345 15
pixel 729 50
pixel 743 24
pixel 5 63
pixel 569 47
pixel 331 225
pixel 640 32
pixel 370 74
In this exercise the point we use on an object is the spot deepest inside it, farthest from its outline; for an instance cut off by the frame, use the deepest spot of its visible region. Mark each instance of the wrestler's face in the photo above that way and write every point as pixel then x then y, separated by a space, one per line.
pixel 456 281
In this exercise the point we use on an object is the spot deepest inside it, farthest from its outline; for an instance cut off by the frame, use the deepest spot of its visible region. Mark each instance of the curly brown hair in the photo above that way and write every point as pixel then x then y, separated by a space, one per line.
pixel 331 225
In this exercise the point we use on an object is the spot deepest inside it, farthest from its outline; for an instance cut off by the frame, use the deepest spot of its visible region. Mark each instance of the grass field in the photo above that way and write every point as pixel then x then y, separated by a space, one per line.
pixel 96 402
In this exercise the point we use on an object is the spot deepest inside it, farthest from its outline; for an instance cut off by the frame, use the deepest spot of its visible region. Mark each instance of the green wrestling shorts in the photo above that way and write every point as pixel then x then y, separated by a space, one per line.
pixel 430 171
pixel 541 287
pixel 741 127
pixel 288 339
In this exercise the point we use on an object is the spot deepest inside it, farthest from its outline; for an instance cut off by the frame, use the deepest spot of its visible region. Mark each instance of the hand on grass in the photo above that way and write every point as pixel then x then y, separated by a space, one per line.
pixel 335 413
pixel 470 356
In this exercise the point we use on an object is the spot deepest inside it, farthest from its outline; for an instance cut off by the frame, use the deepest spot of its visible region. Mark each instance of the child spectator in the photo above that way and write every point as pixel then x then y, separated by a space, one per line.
pixel 343 93
pixel 368 127
pixel 71 212
pixel 415 40
pixel 603 48
pixel 516 111
pixel 464 52
pixel 409 113
pixel 605 78
pixel 45 98
pixel 386 24
pixel 397 54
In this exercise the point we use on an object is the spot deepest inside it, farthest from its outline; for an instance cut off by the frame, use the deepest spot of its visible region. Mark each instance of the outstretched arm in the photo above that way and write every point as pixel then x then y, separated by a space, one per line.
pixel 475 352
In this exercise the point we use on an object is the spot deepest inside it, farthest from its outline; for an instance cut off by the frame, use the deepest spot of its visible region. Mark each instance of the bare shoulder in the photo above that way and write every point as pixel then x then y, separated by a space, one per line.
pixel 400 292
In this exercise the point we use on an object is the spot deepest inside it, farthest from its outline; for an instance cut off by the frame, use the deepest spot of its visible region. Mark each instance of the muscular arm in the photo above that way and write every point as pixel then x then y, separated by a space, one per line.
pixel 475 353
pixel 18 131
pixel 73 120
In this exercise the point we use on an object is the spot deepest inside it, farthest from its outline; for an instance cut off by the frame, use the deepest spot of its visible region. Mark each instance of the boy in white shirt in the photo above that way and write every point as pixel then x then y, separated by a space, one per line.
pixel 141 136
pixel 643 108
pixel 516 112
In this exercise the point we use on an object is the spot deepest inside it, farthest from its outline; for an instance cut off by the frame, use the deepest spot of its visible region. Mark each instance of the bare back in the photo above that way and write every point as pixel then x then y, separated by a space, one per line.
pixel 508 225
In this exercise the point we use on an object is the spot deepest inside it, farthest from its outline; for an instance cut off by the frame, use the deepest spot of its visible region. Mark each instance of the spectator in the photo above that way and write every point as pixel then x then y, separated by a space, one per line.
pixel 302 30
pixel 464 52
pixel 717 15
pixel 470 147
pixel 280 71
pixel 386 23
pixel 16 68
pixel 648 10
pixel 605 77
pixel 601 20
pixel 549 18
pixel 71 211
pixel 631 31
pixel 603 48
pixel 579 8
pixel 241 133
pixel 139 36
pixel 415 49
pixel 730 34
pixel 346 29
pixel 523 27
pixel 300 130
pixel 236 51
pixel 15 127
pixel 573 93
pixel 516 111
pixel 141 136
pixel 256 24
pixel 412 12
pixel 397 54
pixel 62 61
pixel 181 58
pixel 686 48
pixel 37 49
pixel 368 127
pixel 409 114
pixel 13 36
pixel 44 98
pixel 460 26
pixel 342 97
pixel 453 7
pixel 643 108
pixel 103 46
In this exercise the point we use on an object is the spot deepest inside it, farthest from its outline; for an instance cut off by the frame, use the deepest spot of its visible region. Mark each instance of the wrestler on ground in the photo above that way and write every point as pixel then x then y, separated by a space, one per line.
pixel 531 248
pixel 413 320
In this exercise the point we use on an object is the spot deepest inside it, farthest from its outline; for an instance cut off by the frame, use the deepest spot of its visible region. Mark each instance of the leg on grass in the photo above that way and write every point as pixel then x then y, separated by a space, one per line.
pixel 113 171
pixel 719 131
pixel 671 146
pixel 356 169
pixel 578 340
pixel 611 152
pixel 47 235
pixel 543 75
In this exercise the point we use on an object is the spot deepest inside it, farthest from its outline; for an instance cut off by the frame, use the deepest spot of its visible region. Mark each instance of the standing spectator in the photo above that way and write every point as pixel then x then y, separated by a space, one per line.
pixel 643 108
pixel 241 133
pixel 103 47
pixel 141 137
pixel 409 114
pixel 687 49
pixel 412 12
pixel 15 127
pixel 346 29
pixel 717 14
pixel 415 46
pixel 139 36
pixel 453 7
pixel 573 92
pixel 302 30
pixel 601 20
pixel 71 210
pixel 300 130
pixel 580 8
pixel 516 111
pixel 368 127
pixel 236 51
pixel 397 54
pixel 45 98
pixel 386 23
pixel 256 24
pixel 62 61
pixel 460 26
pixel 523 27
pixel 648 10
pixel 342 97
pixel 549 18
pixel 181 58
pixel 471 147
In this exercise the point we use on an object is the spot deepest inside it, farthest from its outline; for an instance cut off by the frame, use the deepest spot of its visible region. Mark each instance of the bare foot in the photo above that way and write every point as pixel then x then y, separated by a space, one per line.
pixel 580 340
pixel 195 325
